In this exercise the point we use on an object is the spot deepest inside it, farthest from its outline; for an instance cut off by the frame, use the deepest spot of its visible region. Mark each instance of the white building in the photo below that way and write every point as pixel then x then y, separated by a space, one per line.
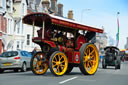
pixel 101 41
pixel 15 29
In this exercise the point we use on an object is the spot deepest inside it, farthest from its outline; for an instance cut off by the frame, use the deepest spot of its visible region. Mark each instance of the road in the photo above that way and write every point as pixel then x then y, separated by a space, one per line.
pixel 108 76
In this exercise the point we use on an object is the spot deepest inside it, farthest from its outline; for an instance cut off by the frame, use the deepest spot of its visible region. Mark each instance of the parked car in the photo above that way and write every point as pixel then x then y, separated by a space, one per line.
pixel 15 60
pixel 112 57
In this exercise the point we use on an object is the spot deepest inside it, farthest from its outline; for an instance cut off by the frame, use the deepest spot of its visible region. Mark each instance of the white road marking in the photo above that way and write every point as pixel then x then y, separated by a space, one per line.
pixel 67 80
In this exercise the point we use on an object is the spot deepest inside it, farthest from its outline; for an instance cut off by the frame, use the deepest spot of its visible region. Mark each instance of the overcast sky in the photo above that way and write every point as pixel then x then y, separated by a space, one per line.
pixel 102 13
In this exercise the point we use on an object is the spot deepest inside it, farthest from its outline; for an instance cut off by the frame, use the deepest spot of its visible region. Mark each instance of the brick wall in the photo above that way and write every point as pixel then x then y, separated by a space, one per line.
pixel 0 46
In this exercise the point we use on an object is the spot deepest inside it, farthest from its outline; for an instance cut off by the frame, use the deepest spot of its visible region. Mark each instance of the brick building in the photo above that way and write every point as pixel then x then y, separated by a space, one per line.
pixel 3 24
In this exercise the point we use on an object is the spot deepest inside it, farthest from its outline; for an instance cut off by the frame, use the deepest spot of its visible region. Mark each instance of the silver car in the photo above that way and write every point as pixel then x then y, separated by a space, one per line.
pixel 15 60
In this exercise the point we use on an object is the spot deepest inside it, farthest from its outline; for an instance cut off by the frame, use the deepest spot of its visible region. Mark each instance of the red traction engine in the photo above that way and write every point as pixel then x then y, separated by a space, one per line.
pixel 64 44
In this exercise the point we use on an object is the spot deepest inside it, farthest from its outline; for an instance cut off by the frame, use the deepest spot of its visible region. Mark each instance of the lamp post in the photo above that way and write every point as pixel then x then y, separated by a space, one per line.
pixel 83 12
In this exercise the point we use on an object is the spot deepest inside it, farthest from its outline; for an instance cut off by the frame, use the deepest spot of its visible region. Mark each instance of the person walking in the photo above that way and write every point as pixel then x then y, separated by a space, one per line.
pixel 34 51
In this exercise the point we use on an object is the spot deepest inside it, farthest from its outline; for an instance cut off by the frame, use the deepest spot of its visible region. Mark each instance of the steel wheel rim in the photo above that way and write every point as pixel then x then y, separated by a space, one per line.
pixel 59 64
pixel 24 67
pixel 40 63
pixel 91 59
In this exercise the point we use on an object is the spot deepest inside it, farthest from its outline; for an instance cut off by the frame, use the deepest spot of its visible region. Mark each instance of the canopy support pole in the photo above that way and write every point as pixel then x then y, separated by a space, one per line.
pixel 43 26
pixel 33 29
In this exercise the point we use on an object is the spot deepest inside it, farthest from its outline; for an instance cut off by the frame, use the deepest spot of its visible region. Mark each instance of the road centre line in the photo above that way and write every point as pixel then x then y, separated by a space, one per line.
pixel 67 80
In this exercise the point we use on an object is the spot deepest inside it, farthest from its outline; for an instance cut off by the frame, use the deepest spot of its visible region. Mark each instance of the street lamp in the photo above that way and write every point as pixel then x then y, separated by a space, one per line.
pixel 83 12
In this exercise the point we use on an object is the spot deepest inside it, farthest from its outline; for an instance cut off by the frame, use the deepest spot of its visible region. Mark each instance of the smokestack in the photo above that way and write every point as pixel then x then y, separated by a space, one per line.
pixel 54 5
pixel 70 14
pixel 60 10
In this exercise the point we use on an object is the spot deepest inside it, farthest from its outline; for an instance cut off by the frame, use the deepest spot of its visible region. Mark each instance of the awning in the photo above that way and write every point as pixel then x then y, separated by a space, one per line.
pixel 67 23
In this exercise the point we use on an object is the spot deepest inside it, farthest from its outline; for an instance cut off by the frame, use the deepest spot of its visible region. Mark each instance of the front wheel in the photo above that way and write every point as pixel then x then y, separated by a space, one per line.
pixel 39 63
pixel 89 59
pixel 58 63
pixel 1 70
pixel 104 66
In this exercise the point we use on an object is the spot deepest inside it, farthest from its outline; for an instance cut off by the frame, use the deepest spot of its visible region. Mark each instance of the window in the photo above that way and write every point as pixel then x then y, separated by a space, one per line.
pixel 18 45
pixel 4 21
pixel 22 43
pixel 22 28
pixel 18 28
pixel 1 1
pixel 28 39
pixel 23 8
pixel 9 5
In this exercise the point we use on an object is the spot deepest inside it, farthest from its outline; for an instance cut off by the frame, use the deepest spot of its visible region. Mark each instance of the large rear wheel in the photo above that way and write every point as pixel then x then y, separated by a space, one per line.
pixel 89 59
pixel 58 63
pixel 39 64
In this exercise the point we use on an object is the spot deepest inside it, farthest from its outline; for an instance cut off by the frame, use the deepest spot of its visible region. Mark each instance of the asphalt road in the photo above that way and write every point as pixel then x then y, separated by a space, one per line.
pixel 108 76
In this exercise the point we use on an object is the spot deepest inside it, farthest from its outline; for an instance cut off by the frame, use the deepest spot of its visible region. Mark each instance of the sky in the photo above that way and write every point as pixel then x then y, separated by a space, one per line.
pixel 102 13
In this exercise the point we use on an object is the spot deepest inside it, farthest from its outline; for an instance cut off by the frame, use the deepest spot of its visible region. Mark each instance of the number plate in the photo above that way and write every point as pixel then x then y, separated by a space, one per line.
pixel 7 64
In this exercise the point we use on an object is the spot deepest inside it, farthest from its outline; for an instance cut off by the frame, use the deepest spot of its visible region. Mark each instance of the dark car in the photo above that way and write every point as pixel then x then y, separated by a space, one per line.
pixel 111 57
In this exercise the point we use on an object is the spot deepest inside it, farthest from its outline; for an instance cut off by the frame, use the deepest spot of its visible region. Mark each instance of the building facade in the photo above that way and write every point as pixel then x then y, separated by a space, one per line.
pixel 101 42
pixel 126 45
pixel 3 23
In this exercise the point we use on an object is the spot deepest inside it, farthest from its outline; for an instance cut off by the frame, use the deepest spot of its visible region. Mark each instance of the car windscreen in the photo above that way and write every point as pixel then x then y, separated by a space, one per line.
pixel 9 54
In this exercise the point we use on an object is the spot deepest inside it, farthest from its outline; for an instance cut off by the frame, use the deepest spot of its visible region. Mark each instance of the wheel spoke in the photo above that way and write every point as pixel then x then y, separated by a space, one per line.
pixel 89 51
pixel 62 61
pixel 57 69
pixel 61 67
pixel 53 62
pixel 54 65
pixel 85 53
pixel 55 58
pixel 60 57
pixel 38 67
pixel 88 64
pixel 85 58
pixel 92 52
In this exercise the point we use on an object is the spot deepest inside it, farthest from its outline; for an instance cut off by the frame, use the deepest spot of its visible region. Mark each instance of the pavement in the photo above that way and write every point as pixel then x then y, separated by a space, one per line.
pixel 108 76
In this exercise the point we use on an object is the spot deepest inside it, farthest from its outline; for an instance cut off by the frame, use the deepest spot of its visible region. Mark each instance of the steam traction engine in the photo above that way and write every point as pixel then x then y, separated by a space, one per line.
pixel 64 43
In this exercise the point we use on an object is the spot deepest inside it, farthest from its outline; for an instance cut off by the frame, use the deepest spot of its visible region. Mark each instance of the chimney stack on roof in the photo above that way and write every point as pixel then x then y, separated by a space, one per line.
pixel 70 14
pixel 60 10
pixel 54 6
pixel 46 3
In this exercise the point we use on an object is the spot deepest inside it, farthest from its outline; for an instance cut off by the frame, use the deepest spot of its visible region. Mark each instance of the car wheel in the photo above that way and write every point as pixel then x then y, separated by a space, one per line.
pixel 104 66
pixel 16 70
pixel 24 68
pixel 1 70
pixel 117 66
pixel 89 59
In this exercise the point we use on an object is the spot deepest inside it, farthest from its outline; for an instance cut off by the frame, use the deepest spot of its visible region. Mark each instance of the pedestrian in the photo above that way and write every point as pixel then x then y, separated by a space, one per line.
pixel 34 51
